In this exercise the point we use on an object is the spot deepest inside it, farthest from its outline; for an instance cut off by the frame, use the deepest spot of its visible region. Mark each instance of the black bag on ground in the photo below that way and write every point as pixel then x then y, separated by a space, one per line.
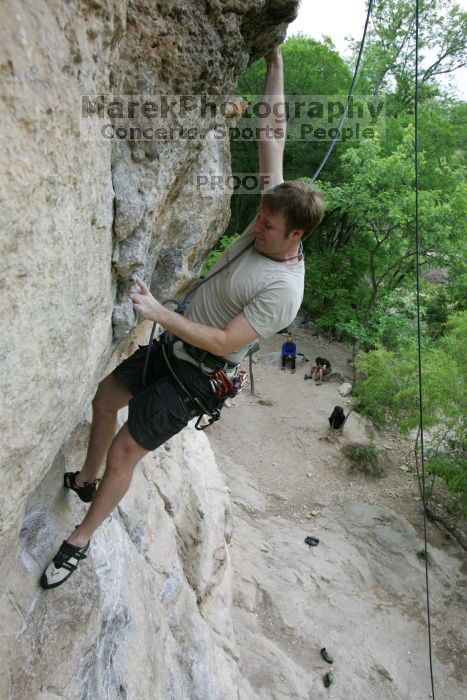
pixel 337 418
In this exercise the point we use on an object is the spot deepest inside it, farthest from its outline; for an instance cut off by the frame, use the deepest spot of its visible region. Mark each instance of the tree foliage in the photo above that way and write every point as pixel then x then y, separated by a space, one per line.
pixel 389 63
pixel 365 249
pixel 390 393
pixel 215 254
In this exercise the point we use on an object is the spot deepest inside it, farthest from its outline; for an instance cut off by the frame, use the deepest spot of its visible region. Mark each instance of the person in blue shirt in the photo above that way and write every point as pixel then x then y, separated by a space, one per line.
pixel 289 352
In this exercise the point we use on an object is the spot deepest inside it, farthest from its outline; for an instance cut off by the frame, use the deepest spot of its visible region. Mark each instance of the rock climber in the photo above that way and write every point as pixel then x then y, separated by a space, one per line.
pixel 258 294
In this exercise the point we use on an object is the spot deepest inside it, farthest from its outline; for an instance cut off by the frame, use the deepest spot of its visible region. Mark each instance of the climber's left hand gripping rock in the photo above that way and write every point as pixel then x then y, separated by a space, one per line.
pixel 144 304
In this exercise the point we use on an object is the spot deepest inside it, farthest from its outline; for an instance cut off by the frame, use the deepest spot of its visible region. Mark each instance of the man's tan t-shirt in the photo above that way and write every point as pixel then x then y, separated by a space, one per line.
pixel 269 293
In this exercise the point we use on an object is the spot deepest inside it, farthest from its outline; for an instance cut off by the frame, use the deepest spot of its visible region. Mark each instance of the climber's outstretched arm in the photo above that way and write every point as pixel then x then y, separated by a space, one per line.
pixel 273 125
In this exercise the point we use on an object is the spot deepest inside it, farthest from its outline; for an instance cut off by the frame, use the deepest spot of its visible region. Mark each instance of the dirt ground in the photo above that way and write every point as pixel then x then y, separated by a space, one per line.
pixel 295 457
pixel 288 477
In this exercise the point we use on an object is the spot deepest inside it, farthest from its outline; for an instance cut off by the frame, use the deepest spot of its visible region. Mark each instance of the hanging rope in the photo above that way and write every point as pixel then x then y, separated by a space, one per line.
pixel 351 92
pixel 417 257
pixel 419 339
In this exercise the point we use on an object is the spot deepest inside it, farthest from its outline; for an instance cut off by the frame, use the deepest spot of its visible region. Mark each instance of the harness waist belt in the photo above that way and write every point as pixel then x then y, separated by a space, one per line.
pixel 213 361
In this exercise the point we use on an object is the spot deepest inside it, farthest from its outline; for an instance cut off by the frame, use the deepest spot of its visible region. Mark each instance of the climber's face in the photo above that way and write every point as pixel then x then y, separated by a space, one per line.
pixel 272 236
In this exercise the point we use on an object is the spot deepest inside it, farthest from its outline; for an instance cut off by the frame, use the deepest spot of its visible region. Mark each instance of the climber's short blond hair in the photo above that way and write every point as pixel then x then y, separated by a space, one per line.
pixel 301 203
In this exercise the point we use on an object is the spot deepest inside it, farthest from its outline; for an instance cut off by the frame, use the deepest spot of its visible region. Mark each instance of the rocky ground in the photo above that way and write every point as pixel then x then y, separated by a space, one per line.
pixel 361 591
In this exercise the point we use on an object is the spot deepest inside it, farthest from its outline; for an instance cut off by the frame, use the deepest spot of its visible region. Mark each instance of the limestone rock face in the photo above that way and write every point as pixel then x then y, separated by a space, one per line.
pixel 148 613
pixel 79 216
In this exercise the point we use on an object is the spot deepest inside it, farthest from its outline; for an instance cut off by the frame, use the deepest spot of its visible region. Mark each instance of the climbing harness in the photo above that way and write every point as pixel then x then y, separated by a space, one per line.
pixel 225 377
pixel 194 405
pixel 223 387
pixel 207 362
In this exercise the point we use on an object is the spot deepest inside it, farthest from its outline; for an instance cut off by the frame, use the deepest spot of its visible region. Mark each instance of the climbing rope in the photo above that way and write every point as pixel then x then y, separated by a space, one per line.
pixel 417 265
pixel 351 92
pixel 419 338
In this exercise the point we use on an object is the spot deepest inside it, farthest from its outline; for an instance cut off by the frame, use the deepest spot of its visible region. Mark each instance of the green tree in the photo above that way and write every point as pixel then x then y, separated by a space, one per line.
pixel 365 248
pixel 216 252
pixel 390 393
pixel 390 51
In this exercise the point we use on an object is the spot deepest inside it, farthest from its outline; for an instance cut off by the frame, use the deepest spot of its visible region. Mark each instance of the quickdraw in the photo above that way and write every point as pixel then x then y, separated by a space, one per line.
pixel 227 387
pixel 223 387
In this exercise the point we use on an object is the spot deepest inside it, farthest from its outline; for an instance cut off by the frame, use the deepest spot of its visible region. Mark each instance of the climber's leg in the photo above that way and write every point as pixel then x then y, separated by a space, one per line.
pixel 111 395
pixel 123 456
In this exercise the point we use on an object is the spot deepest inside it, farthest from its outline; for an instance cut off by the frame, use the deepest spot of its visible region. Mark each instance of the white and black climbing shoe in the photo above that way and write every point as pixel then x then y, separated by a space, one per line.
pixel 86 492
pixel 64 563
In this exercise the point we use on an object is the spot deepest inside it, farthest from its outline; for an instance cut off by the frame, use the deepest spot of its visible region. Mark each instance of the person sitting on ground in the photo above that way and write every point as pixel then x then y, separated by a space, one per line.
pixel 319 370
pixel 289 352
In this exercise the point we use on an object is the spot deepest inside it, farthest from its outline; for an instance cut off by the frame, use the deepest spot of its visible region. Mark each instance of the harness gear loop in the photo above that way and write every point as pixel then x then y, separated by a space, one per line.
pixel 214 414
pixel 222 386
pixel 227 387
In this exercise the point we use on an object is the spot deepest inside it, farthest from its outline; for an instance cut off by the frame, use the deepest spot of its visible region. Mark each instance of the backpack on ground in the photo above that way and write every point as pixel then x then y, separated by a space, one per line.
pixel 337 418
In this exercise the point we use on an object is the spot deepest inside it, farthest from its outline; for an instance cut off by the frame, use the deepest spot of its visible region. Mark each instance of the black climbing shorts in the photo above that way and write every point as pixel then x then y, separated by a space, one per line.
pixel 161 409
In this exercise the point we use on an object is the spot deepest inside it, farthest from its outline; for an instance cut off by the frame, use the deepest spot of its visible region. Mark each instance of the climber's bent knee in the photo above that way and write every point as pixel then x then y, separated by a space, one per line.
pixel 111 395
pixel 124 452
